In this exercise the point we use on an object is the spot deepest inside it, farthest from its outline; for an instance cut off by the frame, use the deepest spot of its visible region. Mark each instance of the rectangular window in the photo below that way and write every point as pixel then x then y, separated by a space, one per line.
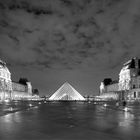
pixel 134 94
pixel 134 86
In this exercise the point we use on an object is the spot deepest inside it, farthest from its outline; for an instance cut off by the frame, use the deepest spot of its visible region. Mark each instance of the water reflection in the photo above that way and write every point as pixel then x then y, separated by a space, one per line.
pixel 7 118
pixel 126 120
pixel 71 121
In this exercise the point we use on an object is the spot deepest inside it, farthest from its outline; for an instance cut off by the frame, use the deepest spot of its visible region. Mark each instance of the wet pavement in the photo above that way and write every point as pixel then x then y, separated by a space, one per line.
pixel 68 121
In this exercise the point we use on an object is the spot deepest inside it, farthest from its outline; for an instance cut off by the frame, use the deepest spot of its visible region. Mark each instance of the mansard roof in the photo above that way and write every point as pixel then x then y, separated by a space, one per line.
pixel 132 63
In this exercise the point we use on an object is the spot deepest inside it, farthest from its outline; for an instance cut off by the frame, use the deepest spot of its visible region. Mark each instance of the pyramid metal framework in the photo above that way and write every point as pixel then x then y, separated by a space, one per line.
pixel 66 92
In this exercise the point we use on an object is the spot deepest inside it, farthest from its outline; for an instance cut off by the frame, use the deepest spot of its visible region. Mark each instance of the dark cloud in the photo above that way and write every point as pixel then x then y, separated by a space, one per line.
pixel 81 35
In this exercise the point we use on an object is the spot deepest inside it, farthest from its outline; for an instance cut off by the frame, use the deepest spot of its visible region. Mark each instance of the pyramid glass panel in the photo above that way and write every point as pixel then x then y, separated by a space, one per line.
pixel 66 92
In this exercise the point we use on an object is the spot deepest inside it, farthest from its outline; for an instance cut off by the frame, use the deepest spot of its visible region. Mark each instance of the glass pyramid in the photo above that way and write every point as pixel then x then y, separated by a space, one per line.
pixel 66 92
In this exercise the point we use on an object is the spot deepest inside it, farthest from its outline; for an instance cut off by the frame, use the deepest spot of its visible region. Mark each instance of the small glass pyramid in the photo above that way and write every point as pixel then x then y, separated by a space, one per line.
pixel 66 92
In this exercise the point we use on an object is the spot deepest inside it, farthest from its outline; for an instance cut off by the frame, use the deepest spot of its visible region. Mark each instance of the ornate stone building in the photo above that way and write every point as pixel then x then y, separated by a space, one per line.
pixel 129 79
pixel 128 86
pixel 109 89
pixel 5 81
pixel 21 91
pixel 10 89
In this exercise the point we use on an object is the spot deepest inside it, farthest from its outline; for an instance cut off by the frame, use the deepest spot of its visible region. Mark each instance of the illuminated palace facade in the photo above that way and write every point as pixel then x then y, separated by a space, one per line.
pixel 128 85
pixel 12 90
pixel 5 81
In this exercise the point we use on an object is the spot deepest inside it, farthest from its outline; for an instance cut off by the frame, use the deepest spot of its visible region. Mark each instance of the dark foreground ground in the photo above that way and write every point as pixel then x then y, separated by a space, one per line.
pixel 68 121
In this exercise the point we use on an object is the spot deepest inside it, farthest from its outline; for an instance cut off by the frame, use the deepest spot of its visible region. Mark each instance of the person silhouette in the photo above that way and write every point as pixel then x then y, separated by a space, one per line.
pixel 124 103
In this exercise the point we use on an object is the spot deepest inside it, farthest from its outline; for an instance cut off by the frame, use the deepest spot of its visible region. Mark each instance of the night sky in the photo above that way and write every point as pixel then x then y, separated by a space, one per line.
pixel 79 41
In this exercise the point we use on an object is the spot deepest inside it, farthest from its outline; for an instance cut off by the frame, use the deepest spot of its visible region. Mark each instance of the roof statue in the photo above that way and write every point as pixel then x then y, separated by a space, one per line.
pixel 66 92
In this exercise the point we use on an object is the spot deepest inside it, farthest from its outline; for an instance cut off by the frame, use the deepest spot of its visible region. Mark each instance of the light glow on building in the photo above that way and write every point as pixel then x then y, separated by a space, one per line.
pixel 124 79
pixel 13 90
pixel 5 81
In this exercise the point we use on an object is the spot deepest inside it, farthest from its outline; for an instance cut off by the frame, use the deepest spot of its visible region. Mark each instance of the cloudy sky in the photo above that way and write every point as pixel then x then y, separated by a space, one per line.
pixel 79 41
